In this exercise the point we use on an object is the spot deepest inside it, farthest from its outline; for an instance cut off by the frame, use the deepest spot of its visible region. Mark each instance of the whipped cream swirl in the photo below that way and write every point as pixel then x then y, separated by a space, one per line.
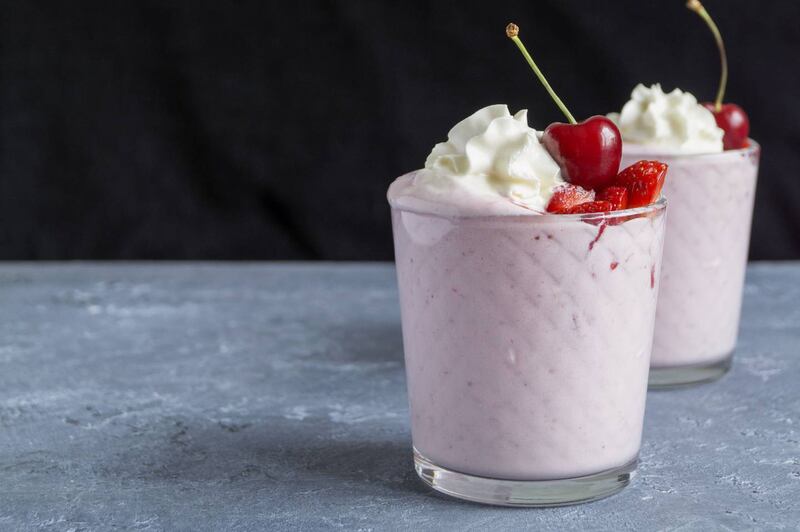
pixel 491 163
pixel 668 123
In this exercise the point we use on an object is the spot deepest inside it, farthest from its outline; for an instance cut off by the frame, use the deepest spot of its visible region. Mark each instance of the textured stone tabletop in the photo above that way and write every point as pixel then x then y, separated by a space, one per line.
pixel 272 396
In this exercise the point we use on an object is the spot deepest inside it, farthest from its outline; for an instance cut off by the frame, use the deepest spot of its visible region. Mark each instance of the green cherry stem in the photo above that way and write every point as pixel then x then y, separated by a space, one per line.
pixel 512 31
pixel 698 8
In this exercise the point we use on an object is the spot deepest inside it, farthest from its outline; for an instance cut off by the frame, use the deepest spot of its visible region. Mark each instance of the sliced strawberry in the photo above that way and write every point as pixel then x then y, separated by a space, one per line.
pixel 567 196
pixel 617 196
pixel 591 206
pixel 643 181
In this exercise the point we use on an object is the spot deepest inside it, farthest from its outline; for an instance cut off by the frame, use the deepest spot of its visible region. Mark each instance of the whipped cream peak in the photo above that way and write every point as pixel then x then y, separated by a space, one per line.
pixel 494 158
pixel 672 123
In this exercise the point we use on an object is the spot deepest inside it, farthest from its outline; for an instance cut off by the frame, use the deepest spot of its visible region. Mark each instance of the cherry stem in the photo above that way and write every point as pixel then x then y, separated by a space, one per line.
pixel 512 31
pixel 698 8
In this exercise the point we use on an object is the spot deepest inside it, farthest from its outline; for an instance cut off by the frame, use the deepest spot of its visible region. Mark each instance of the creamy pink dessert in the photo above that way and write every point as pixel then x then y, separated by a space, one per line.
pixel 705 254
pixel 711 194
pixel 527 335
pixel 527 339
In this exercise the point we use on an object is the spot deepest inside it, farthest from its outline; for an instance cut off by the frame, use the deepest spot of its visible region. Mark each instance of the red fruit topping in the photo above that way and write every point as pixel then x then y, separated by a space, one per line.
pixel 567 196
pixel 734 122
pixel 643 181
pixel 588 153
pixel 617 196
pixel 591 206
pixel 730 117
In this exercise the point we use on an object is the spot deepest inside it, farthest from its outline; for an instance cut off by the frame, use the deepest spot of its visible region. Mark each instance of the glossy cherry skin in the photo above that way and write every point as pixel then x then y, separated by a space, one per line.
pixel 734 122
pixel 588 153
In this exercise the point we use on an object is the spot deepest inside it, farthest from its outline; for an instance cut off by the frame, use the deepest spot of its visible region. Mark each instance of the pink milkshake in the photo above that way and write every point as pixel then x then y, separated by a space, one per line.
pixel 527 335
pixel 711 194
pixel 705 256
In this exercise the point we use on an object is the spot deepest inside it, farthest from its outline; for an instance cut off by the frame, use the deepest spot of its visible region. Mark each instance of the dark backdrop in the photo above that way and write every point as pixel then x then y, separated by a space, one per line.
pixel 271 129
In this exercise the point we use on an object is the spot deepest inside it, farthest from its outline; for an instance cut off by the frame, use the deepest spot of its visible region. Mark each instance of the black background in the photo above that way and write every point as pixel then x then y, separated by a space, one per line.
pixel 270 130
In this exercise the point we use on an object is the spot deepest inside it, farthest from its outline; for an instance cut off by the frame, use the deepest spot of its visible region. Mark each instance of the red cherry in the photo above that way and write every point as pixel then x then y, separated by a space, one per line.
pixel 644 181
pixel 730 117
pixel 567 196
pixel 588 153
pixel 734 122
pixel 617 196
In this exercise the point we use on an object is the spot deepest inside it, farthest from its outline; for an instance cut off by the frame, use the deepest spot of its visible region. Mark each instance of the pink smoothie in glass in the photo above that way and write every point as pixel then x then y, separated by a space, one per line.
pixel 527 337
pixel 705 253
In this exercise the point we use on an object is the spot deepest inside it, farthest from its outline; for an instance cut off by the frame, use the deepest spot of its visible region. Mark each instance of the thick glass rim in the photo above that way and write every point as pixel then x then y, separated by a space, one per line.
pixel 546 217
pixel 752 148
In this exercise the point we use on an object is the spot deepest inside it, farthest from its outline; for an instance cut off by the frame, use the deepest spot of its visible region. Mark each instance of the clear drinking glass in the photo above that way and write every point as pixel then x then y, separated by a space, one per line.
pixel 527 345
pixel 705 257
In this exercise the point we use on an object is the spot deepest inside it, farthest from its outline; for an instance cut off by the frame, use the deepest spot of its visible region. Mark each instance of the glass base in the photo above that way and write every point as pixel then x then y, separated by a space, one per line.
pixel 680 376
pixel 524 493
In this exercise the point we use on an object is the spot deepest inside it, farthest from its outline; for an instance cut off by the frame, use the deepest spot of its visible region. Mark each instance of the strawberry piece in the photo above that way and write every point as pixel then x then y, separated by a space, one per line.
pixel 643 181
pixel 591 206
pixel 617 196
pixel 567 196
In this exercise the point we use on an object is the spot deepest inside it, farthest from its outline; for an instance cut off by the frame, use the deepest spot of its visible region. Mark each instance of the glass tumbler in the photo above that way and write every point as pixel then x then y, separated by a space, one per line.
pixel 527 346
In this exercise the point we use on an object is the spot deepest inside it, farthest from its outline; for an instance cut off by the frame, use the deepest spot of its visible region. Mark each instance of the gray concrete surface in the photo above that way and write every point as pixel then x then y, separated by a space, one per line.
pixel 271 396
